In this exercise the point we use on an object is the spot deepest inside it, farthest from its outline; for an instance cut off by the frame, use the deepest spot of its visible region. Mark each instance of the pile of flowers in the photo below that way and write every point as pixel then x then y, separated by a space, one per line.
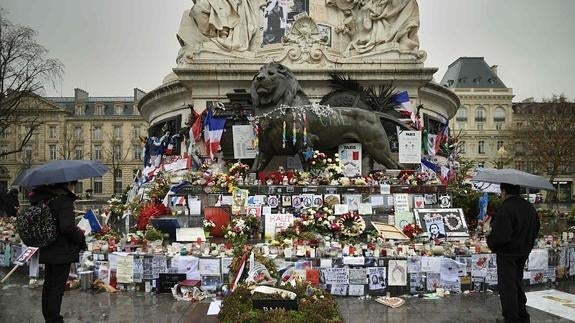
pixel 152 210
pixel 412 230
pixel 315 219
pixel 116 206
pixel 238 169
pixel 349 224
pixel 211 178
pixel 107 233
pixel 320 164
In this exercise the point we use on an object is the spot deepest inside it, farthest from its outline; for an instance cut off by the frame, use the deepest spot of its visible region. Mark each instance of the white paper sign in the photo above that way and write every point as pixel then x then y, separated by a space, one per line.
pixel 401 202
pixel 276 223
pixel 244 139
pixel 335 275
pixel 340 209
pixel 376 276
pixel 350 159
pixel 410 147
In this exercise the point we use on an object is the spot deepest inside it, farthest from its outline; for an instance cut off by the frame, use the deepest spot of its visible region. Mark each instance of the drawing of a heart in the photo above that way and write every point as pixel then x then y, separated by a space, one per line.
pixel 418 203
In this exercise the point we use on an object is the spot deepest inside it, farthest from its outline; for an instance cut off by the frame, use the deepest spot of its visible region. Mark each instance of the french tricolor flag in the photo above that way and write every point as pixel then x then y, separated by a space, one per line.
pixel 213 130
pixel 402 101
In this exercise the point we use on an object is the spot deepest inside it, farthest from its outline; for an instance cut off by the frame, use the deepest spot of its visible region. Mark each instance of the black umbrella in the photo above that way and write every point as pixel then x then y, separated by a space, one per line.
pixel 60 171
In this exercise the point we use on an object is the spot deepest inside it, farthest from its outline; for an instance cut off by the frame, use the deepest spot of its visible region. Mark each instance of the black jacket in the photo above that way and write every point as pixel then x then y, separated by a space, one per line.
pixel 66 248
pixel 514 227
pixel 11 203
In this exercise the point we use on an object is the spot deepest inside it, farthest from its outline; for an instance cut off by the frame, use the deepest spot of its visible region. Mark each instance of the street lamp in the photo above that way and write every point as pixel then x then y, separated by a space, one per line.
pixel 91 158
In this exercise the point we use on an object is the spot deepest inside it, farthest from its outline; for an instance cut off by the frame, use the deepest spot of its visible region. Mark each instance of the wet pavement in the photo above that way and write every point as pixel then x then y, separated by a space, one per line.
pixel 19 303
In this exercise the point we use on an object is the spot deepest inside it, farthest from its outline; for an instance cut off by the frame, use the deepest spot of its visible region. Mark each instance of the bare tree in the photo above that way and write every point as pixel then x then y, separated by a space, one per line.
pixel 543 135
pixel 115 155
pixel 66 146
pixel 24 67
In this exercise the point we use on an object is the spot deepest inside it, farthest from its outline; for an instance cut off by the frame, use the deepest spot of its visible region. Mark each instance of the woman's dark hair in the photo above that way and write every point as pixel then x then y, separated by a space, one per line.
pixel 510 188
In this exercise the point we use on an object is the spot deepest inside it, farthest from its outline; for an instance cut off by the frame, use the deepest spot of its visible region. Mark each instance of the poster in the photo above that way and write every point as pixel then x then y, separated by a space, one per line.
pixel 376 276
pixel 452 220
pixel 401 202
pixel 335 275
pixel 124 269
pixel 244 139
pixel 275 223
pixel 239 200
pixel 397 271
pixel 350 159
pixel 410 147
pixel 278 16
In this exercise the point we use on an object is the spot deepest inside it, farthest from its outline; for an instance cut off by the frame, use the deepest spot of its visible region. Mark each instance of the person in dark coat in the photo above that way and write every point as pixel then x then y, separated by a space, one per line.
pixel 11 203
pixel 514 229
pixel 58 256
pixel 2 198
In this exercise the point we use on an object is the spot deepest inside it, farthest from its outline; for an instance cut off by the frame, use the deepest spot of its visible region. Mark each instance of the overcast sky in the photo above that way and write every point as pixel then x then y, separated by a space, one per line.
pixel 109 47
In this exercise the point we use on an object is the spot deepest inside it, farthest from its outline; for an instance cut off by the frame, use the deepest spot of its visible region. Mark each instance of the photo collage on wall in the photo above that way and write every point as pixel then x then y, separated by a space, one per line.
pixel 279 16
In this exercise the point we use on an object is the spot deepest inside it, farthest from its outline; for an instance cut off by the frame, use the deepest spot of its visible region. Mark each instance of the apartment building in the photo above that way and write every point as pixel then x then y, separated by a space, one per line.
pixel 80 127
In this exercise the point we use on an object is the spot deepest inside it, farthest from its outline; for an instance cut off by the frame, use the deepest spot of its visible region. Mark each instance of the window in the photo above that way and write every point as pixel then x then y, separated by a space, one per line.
pixel 79 110
pixel 79 187
pixel 4 151
pixel 97 184
pixel 52 132
pixel 78 133
pixel 4 133
pixel 499 115
pixel 117 181
pixel 137 152
pixel 481 147
pixel 479 126
pixel 461 114
pixel 499 126
pixel 480 114
pixel 119 109
pixel 117 132
pixel 52 151
pixel 28 152
pixel 499 144
pixel 462 147
pixel 99 110
pixel 97 133
pixel 78 152
pixel 137 131
pixel 117 152
pixel 98 152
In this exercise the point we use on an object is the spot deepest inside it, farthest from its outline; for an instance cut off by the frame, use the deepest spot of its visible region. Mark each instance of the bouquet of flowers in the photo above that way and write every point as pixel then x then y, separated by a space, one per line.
pixel 412 230
pixel 238 169
pixel 315 220
pixel 209 225
pixel 236 231
pixel 148 212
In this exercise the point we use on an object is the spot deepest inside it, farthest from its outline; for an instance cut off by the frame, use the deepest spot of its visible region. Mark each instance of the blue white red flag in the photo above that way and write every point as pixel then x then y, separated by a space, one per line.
pixel 213 130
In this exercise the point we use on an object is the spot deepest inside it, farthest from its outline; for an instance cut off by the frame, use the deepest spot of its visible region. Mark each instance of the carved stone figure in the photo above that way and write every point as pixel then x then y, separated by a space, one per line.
pixel 278 97
pixel 225 25
pixel 371 23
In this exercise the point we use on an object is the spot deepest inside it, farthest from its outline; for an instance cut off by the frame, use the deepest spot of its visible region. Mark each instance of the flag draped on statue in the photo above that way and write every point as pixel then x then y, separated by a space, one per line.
pixel 213 130
pixel 442 137
pixel 402 101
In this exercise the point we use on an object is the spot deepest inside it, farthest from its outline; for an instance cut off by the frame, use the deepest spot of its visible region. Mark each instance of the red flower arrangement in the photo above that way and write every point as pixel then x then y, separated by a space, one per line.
pixel 148 212
pixel 411 230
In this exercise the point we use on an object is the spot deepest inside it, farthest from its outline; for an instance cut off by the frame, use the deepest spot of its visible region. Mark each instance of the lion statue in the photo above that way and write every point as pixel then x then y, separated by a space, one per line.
pixel 276 85
pixel 277 98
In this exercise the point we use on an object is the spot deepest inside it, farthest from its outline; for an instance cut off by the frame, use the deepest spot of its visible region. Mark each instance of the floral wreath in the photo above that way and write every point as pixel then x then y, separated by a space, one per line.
pixel 351 224
pixel 452 227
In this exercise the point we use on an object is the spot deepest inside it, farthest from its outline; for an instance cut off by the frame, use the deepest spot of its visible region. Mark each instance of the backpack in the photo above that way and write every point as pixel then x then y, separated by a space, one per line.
pixel 37 225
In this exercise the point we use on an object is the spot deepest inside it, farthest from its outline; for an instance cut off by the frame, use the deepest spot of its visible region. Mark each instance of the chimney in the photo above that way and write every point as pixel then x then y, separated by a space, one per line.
pixel 494 69
pixel 80 95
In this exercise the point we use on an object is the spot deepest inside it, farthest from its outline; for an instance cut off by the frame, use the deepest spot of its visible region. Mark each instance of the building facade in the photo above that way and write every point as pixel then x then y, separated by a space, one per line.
pixel 106 129
pixel 483 120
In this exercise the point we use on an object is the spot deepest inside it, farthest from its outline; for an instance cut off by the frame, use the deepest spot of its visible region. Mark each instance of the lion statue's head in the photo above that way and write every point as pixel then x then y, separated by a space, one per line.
pixel 275 85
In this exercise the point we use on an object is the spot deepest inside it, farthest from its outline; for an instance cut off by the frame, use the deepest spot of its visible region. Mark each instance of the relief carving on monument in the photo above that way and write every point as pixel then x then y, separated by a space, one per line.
pixel 224 27
pixel 379 26
pixel 255 29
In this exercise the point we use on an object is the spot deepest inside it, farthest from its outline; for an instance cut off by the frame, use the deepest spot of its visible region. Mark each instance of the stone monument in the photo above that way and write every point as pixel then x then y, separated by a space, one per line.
pixel 224 43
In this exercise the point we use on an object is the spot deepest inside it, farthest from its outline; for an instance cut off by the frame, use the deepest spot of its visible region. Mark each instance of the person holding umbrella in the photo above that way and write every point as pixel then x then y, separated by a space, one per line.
pixel 58 257
pixel 514 228
pixel 52 184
